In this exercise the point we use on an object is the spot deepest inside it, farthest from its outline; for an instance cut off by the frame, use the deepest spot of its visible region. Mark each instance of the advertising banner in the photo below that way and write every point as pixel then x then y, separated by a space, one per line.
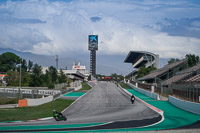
pixel 93 42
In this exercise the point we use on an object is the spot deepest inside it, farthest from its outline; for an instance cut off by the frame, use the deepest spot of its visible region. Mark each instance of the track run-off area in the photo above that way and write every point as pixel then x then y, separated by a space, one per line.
pixel 108 108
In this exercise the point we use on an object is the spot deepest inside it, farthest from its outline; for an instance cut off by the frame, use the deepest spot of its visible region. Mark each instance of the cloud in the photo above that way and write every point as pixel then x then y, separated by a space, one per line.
pixel 185 27
pixel 20 38
pixel 170 28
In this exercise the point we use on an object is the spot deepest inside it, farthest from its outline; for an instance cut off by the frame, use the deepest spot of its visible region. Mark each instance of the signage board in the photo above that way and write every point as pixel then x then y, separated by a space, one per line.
pixel 93 42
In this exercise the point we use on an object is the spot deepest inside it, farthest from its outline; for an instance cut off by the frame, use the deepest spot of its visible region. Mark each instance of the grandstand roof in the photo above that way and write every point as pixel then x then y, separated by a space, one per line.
pixel 163 70
pixel 135 57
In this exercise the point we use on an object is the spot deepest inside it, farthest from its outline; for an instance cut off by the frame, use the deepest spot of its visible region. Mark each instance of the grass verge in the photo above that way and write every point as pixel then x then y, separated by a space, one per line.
pixel 125 86
pixel 36 112
pixel 85 86
pixel 8 100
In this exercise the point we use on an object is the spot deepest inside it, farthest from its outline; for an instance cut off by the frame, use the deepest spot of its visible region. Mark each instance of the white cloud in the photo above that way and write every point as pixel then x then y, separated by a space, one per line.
pixel 122 27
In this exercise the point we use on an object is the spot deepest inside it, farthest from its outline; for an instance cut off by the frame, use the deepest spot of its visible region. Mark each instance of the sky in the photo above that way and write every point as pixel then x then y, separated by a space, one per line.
pixel 170 28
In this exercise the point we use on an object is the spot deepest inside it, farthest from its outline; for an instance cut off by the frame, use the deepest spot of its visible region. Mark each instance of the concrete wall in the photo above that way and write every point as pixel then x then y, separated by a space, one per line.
pixel 78 88
pixel 147 93
pixel 185 105
pixel 39 101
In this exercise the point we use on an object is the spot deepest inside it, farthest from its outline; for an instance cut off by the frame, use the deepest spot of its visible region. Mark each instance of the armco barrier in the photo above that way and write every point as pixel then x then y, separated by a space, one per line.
pixel 147 93
pixel 39 101
pixel 185 105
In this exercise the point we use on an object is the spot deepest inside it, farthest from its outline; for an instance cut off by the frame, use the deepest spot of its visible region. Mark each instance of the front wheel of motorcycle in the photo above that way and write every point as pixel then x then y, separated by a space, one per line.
pixel 64 118
pixel 56 118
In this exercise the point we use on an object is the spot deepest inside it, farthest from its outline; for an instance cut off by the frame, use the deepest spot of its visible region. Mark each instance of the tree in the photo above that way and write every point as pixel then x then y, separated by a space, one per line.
pixel 173 60
pixel 13 78
pixel 53 73
pixel 192 59
pixel 8 61
pixel 62 77
pixel 30 65
pixel 47 80
pixel 36 79
pixel 26 78
pixel 144 71
pixel 24 65
pixel 37 70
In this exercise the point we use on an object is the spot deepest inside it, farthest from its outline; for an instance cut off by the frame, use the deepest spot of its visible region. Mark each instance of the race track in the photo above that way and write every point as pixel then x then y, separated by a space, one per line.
pixel 105 103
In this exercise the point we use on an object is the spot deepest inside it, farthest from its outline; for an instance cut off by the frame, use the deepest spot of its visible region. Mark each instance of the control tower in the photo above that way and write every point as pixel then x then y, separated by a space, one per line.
pixel 93 47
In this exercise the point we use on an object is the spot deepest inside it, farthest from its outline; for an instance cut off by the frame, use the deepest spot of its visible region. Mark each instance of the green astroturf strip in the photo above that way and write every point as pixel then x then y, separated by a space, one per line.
pixel 174 117
pixel 48 126
pixel 74 94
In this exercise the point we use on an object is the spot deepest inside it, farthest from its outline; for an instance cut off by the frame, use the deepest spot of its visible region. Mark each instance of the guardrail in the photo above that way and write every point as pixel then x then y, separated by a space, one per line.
pixel 14 91
pixel 147 93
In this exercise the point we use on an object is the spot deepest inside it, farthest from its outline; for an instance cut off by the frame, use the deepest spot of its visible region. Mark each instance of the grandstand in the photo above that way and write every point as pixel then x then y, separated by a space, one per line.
pixel 188 75
pixel 139 59
pixel 193 79
pixel 166 72
pixel 174 79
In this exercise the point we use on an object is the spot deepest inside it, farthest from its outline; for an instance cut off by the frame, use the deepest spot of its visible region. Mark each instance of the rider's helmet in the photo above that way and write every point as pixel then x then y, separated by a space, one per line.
pixel 54 111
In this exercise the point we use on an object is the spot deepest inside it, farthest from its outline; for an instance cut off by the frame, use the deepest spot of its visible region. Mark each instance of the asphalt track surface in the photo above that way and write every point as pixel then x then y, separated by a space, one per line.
pixel 104 103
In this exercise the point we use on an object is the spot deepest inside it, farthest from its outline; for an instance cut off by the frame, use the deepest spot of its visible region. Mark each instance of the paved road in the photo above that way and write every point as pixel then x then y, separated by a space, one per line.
pixel 104 103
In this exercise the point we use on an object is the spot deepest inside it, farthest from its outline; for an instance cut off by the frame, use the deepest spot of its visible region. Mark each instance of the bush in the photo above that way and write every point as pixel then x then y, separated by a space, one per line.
pixel 51 86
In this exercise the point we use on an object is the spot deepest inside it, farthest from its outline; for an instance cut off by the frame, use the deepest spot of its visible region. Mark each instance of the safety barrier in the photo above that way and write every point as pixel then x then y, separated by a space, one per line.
pixel 147 93
pixel 34 102
pixel 185 105
pixel 22 103
pixel 29 91
pixel 39 101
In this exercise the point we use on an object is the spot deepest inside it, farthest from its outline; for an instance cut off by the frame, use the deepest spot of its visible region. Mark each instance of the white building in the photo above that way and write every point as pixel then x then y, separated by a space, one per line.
pixel 78 72
pixel 81 69
pixel 44 69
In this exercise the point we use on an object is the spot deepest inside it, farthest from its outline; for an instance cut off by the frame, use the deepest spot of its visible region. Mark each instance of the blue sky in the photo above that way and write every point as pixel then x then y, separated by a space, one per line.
pixel 170 28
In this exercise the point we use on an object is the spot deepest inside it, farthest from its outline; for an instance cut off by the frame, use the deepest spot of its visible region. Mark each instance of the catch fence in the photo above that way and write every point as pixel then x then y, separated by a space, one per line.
pixel 189 91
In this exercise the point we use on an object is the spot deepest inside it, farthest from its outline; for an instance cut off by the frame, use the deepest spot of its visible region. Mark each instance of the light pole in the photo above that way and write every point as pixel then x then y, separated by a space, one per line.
pixel 20 78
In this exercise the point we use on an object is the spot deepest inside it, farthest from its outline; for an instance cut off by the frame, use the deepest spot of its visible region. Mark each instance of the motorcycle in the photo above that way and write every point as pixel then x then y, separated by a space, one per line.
pixel 58 116
pixel 132 99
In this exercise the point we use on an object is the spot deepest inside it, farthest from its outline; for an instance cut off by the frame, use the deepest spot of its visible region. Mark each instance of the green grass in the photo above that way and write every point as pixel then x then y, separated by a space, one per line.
pixel 125 86
pixel 36 112
pixel 85 87
pixel 8 100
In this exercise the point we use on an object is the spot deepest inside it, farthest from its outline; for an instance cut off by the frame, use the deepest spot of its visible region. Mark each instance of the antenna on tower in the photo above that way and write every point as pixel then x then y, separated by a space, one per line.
pixel 56 58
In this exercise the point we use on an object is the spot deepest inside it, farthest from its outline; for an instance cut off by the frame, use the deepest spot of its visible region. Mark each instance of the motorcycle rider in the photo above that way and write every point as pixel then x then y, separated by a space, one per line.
pixel 132 99
pixel 58 116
